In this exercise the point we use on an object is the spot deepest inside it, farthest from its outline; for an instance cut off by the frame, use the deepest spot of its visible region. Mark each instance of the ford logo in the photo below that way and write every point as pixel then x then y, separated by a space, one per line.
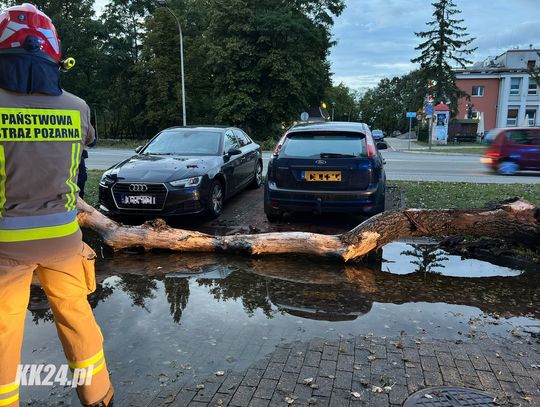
pixel 138 187
pixel 320 162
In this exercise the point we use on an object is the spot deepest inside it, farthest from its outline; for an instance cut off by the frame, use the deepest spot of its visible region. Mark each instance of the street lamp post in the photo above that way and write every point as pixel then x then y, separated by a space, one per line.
pixel 164 4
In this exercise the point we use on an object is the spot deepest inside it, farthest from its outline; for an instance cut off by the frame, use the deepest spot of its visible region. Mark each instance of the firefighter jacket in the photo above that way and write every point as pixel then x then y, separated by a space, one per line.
pixel 41 141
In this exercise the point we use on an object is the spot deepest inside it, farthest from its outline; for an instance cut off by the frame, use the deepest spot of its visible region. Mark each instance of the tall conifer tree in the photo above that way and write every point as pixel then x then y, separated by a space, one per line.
pixel 446 42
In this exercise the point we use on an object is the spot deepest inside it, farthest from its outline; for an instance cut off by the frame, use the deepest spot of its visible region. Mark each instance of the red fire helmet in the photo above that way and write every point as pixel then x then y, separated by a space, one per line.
pixel 17 23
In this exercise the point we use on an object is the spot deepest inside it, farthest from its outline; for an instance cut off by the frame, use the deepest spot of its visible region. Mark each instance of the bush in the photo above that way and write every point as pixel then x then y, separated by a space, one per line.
pixel 423 135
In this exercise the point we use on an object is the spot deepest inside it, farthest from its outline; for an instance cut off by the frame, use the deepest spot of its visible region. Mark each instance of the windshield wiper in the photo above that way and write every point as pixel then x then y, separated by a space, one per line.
pixel 337 155
pixel 158 153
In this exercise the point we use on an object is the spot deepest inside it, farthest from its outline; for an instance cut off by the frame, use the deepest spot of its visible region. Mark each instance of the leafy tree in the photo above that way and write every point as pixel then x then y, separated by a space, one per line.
pixel 411 92
pixel 268 59
pixel 381 108
pixel 122 97
pixel 384 106
pixel 343 102
pixel 161 67
pixel 446 41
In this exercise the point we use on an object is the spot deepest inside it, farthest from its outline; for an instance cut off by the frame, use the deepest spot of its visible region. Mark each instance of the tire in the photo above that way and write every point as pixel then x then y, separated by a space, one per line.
pixel 273 217
pixel 216 199
pixel 508 168
pixel 258 177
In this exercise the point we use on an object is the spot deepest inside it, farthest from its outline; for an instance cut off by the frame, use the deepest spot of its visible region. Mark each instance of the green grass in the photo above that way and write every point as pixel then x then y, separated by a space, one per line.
pixel 91 187
pixel 420 194
pixel 434 195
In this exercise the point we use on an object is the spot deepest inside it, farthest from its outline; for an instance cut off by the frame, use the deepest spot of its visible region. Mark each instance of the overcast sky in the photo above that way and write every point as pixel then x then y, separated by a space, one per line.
pixel 375 38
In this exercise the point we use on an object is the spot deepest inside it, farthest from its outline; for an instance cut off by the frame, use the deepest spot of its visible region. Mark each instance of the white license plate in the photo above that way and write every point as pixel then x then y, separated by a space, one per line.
pixel 138 200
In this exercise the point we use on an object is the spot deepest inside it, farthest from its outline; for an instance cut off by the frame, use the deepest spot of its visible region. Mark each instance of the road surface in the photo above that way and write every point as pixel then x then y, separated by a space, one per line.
pixel 410 166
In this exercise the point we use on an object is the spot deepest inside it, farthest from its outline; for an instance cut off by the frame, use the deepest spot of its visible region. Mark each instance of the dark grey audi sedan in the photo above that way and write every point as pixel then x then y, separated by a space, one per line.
pixel 326 167
pixel 182 170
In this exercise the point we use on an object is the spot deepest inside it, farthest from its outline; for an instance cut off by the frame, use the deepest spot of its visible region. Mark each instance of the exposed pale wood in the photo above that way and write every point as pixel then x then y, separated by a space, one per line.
pixel 518 219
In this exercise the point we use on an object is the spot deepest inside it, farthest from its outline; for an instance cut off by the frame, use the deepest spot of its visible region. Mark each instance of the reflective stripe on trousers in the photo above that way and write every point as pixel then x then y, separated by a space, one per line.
pixel 9 394
pixel 67 283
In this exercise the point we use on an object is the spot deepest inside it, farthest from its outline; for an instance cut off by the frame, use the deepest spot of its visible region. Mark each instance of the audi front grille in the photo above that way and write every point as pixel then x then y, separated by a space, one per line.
pixel 156 191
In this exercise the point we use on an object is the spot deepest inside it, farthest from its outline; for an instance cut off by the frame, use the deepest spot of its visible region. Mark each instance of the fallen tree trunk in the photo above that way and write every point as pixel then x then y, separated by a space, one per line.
pixel 517 219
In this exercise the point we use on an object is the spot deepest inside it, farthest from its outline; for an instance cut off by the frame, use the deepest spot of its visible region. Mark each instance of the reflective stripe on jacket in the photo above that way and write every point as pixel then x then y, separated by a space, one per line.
pixel 41 140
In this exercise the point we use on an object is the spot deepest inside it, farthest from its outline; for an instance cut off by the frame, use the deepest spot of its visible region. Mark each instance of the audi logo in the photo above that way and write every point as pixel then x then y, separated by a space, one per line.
pixel 138 187
pixel 320 162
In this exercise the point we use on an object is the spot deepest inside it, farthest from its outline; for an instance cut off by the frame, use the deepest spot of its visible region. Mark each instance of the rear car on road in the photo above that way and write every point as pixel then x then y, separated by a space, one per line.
pixel 378 135
pixel 325 167
pixel 514 149
pixel 182 170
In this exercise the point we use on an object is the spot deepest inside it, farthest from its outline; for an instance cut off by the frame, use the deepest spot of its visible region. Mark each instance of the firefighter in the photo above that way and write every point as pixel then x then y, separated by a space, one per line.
pixel 43 130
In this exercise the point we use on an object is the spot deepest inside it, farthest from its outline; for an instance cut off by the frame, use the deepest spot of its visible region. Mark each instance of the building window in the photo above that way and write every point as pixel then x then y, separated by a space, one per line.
pixel 477 91
pixel 511 118
pixel 533 87
pixel 530 112
pixel 531 64
pixel 515 84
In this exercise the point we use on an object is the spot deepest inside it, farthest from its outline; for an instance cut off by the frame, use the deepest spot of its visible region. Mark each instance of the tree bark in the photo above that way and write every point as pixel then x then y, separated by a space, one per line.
pixel 516 219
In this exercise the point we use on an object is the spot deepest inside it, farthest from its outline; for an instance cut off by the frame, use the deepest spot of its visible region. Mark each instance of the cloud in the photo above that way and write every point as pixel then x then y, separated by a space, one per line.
pixel 358 82
pixel 375 38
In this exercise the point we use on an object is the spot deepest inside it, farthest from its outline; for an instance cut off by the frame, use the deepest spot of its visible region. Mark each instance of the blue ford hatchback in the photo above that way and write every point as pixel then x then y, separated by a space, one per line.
pixel 326 167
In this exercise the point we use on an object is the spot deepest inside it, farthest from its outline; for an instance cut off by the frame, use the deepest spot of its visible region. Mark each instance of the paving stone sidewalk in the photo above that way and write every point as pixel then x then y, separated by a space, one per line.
pixel 369 371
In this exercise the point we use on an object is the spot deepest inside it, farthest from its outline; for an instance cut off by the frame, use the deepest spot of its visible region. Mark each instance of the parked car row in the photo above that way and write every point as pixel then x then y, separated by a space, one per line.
pixel 315 167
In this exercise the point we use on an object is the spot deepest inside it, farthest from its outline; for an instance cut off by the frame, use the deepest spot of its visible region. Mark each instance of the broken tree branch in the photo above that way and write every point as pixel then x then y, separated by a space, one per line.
pixel 515 219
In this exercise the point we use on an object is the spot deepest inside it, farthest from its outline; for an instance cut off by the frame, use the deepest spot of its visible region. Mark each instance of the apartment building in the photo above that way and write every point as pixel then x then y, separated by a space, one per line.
pixel 501 90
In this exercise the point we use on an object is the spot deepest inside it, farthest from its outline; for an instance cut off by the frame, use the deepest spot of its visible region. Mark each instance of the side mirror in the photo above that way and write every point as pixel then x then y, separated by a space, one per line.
pixel 234 151
pixel 138 149
pixel 382 146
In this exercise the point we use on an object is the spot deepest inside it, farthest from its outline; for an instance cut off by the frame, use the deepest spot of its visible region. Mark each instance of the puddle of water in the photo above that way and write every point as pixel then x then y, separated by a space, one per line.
pixel 402 258
pixel 170 317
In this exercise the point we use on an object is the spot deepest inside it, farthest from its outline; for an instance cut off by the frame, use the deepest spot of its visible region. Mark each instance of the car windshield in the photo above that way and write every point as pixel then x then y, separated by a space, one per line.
pixel 185 142
pixel 324 145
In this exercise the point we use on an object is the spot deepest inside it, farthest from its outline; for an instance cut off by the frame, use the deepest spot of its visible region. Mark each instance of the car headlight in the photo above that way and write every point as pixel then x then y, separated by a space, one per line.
pixel 106 181
pixel 187 182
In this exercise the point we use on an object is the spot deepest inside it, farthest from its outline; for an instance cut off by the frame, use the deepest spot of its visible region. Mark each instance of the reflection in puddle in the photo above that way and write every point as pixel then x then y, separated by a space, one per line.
pixel 403 258
pixel 170 317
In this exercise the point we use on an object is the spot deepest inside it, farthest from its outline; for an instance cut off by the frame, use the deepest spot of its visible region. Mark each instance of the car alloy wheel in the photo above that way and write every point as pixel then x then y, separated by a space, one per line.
pixel 508 168
pixel 258 177
pixel 215 201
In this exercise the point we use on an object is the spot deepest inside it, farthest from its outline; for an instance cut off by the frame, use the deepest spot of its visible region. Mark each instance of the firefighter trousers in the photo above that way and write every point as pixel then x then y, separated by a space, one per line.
pixel 67 282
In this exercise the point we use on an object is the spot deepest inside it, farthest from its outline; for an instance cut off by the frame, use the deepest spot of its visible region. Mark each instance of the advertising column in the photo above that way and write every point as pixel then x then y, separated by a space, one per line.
pixel 440 124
